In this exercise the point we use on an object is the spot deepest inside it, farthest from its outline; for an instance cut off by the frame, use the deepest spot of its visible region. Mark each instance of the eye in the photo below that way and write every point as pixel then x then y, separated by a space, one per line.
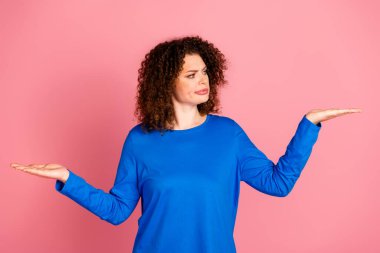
pixel 192 75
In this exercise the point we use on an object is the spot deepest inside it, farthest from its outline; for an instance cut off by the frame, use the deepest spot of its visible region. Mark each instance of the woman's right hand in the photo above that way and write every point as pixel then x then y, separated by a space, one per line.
pixel 49 170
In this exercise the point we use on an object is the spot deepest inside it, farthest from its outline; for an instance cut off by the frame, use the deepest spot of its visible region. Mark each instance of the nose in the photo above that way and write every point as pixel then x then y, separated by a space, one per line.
pixel 204 78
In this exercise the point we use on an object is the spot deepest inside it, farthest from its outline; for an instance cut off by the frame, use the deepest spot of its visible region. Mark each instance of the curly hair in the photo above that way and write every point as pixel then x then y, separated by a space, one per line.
pixel 157 75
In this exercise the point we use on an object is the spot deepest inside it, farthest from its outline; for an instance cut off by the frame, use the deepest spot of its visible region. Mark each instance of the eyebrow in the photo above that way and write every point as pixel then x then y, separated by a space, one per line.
pixel 195 70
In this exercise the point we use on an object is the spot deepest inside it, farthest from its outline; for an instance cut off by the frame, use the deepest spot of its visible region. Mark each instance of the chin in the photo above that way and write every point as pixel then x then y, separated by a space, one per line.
pixel 203 101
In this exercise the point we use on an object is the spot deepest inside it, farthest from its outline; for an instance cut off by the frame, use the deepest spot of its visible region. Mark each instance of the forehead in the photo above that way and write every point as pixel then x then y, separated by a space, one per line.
pixel 193 61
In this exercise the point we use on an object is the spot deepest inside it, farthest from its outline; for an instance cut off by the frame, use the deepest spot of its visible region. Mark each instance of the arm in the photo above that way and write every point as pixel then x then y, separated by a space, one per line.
pixel 276 179
pixel 115 206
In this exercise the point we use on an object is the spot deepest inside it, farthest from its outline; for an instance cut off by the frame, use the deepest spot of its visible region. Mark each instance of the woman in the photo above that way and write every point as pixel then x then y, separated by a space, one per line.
pixel 185 163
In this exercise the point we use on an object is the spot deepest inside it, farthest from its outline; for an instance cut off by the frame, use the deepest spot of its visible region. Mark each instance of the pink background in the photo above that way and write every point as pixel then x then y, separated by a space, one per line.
pixel 68 75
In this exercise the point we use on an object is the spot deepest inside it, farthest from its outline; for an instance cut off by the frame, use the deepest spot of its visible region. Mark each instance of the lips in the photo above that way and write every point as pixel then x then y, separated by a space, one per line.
pixel 202 92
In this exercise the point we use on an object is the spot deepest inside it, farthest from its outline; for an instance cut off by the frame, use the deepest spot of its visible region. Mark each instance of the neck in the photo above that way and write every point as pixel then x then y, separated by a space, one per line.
pixel 188 120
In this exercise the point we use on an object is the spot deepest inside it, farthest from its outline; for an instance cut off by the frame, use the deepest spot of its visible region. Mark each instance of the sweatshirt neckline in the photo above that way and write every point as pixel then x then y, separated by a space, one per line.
pixel 193 129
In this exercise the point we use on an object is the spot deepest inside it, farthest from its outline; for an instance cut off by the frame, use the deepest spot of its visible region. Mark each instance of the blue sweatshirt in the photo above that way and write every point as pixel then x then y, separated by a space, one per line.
pixel 189 183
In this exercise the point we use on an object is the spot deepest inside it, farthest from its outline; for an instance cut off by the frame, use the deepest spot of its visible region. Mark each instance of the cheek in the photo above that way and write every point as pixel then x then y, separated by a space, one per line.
pixel 186 88
pixel 180 91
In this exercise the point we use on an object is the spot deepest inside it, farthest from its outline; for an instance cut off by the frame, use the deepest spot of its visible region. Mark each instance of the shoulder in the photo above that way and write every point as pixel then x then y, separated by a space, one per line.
pixel 136 131
pixel 224 121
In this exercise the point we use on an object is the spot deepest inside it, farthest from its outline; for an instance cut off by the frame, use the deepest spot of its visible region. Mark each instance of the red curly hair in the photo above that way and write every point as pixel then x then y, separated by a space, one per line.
pixel 157 75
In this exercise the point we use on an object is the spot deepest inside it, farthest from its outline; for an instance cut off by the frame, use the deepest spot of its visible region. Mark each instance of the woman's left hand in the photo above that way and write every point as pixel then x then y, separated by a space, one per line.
pixel 318 115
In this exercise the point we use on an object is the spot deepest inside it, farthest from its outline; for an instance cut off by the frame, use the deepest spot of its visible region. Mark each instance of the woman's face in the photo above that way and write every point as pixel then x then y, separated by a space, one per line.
pixel 192 79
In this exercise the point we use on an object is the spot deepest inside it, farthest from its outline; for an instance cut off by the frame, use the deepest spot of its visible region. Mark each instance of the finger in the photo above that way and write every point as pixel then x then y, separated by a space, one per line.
pixel 16 164
pixel 37 165
pixel 53 166
pixel 46 166
pixel 338 112
pixel 347 111
pixel 20 167
pixel 33 171
pixel 355 110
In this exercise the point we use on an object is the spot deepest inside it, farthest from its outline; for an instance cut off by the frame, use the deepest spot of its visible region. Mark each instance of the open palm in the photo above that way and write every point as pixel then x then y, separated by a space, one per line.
pixel 49 170
pixel 319 115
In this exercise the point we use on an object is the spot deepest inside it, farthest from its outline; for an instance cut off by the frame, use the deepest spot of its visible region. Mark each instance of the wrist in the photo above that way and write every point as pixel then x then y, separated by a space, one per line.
pixel 65 176
pixel 310 118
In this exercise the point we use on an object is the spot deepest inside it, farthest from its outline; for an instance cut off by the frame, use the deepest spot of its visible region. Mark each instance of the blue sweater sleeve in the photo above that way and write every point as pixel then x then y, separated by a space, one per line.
pixel 276 179
pixel 116 205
